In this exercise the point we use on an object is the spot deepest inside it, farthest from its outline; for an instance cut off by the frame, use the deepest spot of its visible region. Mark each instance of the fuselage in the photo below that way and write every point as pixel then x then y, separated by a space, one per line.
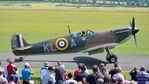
pixel 78 42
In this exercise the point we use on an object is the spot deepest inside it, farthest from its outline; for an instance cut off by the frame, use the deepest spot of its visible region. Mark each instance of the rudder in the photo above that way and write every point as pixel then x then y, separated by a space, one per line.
pixel 18 41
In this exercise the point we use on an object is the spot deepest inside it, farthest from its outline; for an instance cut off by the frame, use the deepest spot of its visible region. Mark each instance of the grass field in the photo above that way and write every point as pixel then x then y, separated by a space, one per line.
pixel 39 25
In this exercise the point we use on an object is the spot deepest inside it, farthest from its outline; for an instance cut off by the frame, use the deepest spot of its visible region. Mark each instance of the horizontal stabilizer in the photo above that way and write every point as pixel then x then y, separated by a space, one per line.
pixel 23 48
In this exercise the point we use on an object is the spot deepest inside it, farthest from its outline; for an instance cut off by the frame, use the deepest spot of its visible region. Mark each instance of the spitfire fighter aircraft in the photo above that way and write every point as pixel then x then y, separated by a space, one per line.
pixel 85 41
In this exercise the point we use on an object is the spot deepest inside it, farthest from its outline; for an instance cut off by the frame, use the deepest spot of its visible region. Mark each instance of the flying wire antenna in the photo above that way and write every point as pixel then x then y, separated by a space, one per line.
pixel 69 29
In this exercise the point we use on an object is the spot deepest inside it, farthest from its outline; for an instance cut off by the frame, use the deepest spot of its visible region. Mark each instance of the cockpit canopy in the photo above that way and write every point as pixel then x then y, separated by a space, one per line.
pixel 86 32
pixel 83 33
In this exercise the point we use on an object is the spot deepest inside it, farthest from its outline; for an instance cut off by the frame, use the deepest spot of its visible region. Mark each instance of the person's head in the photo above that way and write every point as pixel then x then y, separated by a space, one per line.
pixel 11 78
pixel 100 81
pixel 62 67
pixel 95 68
pixel 83 68
pixel 69 75
pixel 51 69
pixel 142 68
pixel 135 68
pixel 27 65
pixel 79 66
pixel 102 66
pixel 116 65
pixel 11 61
pixel 58 64
pixel 46 64
pixel 120 81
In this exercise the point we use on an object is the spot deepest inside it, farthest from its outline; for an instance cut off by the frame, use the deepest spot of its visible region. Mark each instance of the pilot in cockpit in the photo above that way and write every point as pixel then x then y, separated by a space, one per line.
pixel 82 33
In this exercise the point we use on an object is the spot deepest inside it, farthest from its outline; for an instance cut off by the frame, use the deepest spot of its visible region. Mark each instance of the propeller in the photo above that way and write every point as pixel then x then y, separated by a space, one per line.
pixel 134 31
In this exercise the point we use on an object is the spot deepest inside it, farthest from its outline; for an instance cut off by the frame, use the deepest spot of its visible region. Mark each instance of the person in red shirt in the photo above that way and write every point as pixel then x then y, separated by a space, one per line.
pixel 78 70
pixel 10 67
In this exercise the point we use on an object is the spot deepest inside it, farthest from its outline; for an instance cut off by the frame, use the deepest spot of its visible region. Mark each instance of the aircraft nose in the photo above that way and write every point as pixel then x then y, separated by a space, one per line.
pixel 134 31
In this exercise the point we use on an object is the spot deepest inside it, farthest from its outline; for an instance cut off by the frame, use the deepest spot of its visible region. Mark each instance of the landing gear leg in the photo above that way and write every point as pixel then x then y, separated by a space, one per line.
pixel 110 56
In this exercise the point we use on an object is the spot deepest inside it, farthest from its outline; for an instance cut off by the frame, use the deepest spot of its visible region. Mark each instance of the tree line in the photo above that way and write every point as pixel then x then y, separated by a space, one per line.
pixel 108 3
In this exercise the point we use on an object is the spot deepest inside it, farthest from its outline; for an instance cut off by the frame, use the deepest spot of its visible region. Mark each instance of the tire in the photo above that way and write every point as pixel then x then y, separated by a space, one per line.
pixel 113 59
pixel 21 59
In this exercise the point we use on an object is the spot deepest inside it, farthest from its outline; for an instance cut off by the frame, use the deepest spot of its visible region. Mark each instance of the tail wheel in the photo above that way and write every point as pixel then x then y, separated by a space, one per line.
pixel 21 58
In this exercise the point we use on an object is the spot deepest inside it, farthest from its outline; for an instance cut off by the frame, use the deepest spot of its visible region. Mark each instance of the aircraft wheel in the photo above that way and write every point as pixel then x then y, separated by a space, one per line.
pixel 113 59
pixel 21 59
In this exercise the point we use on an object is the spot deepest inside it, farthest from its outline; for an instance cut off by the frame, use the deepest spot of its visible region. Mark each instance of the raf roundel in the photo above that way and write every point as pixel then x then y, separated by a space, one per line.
pixel 61 44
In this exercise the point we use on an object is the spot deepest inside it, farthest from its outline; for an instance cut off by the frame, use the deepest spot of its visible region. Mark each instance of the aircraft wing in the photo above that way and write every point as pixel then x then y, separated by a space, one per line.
pixel 100 47
pixel 23 48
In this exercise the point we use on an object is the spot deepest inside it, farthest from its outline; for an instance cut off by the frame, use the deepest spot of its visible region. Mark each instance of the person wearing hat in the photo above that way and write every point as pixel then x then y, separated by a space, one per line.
pixel 26 73
pixel 2 79
pixel 59 73
pixel 44 70
pixel 142 76
pixel 133 73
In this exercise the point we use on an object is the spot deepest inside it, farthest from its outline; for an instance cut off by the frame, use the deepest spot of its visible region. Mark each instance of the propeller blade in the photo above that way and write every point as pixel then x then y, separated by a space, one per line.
pixel 133 23
pixel 135 41
pixel 130 24
pixel 134 31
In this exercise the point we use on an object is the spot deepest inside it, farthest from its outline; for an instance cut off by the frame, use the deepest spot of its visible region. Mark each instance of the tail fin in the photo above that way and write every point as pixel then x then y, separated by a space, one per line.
pixel 17 41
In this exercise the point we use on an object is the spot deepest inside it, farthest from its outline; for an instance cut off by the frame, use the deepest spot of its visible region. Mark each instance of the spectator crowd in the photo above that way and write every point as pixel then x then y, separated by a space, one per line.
pixel 58 74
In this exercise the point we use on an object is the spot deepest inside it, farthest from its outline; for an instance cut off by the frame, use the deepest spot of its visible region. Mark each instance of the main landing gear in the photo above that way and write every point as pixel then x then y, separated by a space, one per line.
pixel 110 56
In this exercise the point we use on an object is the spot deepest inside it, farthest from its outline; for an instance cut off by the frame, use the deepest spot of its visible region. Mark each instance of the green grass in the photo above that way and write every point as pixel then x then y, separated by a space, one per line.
pixel 39 25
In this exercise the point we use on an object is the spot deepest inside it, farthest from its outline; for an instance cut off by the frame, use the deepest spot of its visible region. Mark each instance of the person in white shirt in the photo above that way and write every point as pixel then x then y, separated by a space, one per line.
pixel 70 79
pixel 118 76
pixel 49 78
pixel 44 69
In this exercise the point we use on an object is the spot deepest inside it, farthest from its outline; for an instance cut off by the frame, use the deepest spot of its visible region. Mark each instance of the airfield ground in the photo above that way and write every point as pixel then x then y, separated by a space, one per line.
pixel 127 62
pixel 39 25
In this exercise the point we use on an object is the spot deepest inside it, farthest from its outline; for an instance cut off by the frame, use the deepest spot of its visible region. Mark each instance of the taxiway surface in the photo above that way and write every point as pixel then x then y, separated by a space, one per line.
pixel 71 60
